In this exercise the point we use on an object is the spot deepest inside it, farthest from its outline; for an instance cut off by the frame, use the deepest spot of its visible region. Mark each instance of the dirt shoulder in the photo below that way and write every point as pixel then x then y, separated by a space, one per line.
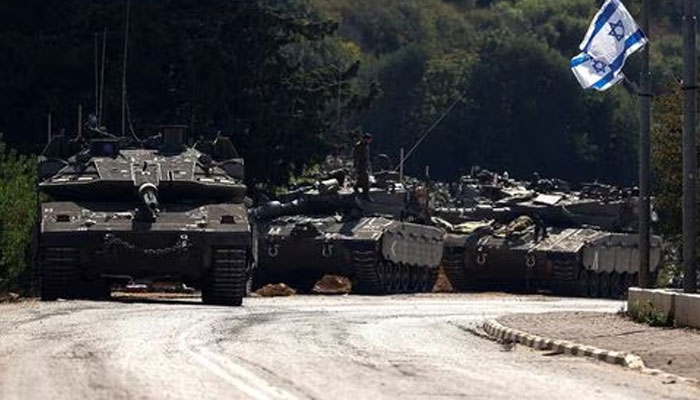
pixel 676 351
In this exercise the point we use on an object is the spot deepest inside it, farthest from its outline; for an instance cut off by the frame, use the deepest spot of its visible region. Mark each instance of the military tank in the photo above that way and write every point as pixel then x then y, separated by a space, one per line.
pixel 381 245
pixel 568 261
pixel 125 209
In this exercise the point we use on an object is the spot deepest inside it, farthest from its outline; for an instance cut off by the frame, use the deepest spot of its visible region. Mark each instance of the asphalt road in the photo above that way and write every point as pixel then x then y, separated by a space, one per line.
pixel 301 347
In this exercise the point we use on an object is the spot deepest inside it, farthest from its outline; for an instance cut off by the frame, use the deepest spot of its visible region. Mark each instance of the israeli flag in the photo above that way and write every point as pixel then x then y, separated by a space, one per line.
pixel 612 37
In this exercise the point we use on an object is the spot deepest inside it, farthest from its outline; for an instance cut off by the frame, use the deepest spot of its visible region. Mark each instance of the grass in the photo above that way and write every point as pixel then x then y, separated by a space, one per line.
pixel 645 313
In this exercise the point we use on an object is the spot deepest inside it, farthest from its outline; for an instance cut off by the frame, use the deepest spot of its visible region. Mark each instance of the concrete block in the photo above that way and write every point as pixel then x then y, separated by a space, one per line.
pixel 688 310
pixel 659 300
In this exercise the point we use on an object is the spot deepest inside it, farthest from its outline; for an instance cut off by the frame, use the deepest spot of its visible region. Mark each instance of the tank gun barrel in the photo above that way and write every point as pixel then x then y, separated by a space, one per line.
pixel 276 209
pixel 148 194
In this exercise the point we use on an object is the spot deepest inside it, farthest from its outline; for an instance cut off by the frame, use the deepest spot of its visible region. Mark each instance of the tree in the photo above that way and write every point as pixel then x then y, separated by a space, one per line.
pixel 667 159
pixel 18 199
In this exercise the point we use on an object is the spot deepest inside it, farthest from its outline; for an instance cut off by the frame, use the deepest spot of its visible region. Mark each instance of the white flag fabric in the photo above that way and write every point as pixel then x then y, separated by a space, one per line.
pixel 612 37
pixel 594 74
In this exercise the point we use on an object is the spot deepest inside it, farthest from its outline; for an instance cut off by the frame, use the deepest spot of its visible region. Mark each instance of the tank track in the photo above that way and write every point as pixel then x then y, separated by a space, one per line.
pixel 226 281
pixel 59 273
pixel 365 264
pixel 565 279
pixel 379 277
pixel 572 280
pixel 61 277
pixel 453 264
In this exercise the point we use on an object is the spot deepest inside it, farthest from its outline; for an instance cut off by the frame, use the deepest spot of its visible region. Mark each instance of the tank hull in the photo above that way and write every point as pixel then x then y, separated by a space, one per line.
pixel 84 246
pixel 379 255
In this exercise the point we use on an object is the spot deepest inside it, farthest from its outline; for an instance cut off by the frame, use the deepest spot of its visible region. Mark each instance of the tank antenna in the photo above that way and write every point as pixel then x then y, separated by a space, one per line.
pixel 48 127
pixel 97 74
pixel 429 131
pixel 126 52
pixel 102 76
pixel 80 120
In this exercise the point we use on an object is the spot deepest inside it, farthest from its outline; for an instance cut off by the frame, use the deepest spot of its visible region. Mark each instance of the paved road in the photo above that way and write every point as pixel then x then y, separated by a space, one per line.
pixel 297 348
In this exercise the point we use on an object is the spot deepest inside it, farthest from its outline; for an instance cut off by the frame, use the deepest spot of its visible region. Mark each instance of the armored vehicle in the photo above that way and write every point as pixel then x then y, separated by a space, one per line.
pixel 124 209
pixel 555 209
pixel 569 261
pixel 373 243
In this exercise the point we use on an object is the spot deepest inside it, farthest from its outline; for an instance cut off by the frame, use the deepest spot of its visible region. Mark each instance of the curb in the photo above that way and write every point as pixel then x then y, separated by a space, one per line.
pixel 628 360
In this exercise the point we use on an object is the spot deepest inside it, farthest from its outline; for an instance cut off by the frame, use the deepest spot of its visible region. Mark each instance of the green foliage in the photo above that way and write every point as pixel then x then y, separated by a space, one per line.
pixel 267 73
pixel 645 313
pixel 17 213
pixel 293 80
pixel 667 159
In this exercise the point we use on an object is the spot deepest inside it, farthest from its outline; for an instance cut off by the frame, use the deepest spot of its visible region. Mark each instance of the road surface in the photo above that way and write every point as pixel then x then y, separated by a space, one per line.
pixel 304 347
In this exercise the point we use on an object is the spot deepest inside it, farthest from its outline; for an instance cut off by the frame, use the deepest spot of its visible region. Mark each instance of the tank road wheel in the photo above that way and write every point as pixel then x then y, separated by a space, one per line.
pixel 387 276
pixel 582 283
pixel 226 281
pixel 431 275
pixel 415 279
pixel 370 279
pixel 594 284
pixel 396 277
pixel 59 272
pixel 454 265
pixel 633 280
pixel 604 285
pixel 405 272
pixel 615 285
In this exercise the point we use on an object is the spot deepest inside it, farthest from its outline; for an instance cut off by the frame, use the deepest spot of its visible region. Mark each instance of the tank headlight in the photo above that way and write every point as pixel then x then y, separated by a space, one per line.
pixel 227 219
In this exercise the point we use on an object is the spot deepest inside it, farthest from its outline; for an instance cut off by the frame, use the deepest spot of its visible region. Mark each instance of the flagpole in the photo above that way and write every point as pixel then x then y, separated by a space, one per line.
pixel 689 150
pixel 644 155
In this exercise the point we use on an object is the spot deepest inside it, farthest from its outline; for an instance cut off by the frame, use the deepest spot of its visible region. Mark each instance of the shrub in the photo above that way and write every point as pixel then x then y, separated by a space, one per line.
pixel 18 199
pixel 646 314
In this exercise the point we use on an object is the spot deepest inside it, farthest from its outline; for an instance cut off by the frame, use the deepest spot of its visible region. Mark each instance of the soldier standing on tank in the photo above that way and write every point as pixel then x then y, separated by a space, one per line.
pixel 540 227
pixel 362 165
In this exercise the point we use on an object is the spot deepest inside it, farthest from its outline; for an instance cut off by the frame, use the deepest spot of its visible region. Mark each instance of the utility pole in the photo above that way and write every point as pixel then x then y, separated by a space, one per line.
pixel 644 154
pixel 689 151
pixel 102 76
pixel 126 50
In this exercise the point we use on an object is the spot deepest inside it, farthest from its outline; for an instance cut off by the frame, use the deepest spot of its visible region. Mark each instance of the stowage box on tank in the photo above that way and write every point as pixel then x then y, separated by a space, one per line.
pixel 122 209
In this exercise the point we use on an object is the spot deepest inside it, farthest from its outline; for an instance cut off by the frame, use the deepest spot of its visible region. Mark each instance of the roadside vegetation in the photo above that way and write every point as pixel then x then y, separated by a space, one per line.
pixel 17 215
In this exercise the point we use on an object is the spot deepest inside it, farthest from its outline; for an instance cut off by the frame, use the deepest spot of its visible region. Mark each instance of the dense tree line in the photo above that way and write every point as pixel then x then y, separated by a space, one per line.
pixel 293 80
pixel 266 73
pixel 522 110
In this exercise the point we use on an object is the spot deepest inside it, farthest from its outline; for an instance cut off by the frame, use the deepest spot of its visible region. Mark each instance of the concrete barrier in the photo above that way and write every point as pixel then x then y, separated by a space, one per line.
pixel 687 311
pixel 641 301
pixel 681 308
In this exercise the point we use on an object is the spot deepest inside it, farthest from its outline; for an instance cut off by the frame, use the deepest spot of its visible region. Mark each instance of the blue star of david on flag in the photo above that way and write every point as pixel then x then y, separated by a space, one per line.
pixel 599 66
pixel 611 38
pixel 617 30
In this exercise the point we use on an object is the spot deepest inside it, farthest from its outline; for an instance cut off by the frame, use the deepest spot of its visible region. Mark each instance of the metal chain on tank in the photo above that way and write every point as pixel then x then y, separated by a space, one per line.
pixel 114 245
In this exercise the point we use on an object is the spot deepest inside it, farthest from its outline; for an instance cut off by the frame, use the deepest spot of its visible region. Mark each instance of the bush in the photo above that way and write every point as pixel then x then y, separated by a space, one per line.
pixel 646 314
pixel 18 199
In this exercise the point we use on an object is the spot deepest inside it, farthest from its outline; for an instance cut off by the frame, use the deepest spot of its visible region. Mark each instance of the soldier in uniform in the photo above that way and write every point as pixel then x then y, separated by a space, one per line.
pixel 361 164
pixel 540 227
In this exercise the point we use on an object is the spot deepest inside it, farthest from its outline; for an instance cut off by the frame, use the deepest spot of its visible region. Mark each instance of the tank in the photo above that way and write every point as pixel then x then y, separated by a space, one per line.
pixel 503 199
pixel 379 244
pixel 124 209
pixel 568 261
